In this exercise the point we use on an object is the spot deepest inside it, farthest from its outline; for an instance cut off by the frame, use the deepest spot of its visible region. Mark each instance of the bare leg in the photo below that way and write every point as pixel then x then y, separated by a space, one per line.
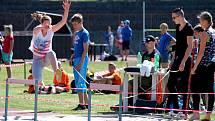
pixel 53 60
pixel 85 98
pixel 81 98
pixel 123 53
pixel 126 54
pixel 9 75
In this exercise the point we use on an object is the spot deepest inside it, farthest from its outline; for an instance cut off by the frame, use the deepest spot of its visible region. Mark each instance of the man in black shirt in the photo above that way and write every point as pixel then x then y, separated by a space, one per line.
pixel 178 81
pixel 150 46
pixel 145 83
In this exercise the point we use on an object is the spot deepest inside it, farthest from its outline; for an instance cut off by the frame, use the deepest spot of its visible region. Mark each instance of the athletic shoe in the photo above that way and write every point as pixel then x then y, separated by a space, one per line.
pixel 49 90
pixel 181 115
pixel 79 107
pixel 170 115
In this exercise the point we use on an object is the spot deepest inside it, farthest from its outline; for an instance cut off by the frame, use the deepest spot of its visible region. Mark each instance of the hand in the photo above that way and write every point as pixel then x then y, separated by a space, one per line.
pixel 71 60
pixel 193 70
pixel 66 5
pixel 170 66
pixel 181 67
pixel 99 77
pixel 78 67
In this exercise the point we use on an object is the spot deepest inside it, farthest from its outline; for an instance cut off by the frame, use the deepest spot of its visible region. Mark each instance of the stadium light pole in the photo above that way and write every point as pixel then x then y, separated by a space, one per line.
pixel 144 22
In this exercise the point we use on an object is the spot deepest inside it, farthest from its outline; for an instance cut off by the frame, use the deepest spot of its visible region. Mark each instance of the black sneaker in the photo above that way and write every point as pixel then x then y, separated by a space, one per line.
pixel 114 108
pixel 79 107
pixel 86 106
pixel 49 90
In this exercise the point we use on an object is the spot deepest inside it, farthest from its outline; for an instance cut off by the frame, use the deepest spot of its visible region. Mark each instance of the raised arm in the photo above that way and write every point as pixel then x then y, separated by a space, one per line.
pixel 66 6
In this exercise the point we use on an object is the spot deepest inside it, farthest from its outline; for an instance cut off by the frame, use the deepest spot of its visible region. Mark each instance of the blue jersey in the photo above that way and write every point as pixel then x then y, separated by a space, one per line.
pixel 81 37
pixel 126 33
pixel 164 42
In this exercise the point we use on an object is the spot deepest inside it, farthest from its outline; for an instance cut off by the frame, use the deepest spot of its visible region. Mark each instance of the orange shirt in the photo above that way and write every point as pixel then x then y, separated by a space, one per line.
pixel 64 82
pixel 30 87
pixel 117 79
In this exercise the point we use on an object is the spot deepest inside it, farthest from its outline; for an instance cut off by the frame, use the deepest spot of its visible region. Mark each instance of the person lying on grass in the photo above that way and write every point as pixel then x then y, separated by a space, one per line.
pixel 61 82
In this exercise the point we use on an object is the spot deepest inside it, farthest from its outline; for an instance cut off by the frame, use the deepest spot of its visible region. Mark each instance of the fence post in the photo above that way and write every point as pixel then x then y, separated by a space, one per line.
pixel 35 100
pixel 120 103
pixel 89 104
pixel 24 69
pixel 6 100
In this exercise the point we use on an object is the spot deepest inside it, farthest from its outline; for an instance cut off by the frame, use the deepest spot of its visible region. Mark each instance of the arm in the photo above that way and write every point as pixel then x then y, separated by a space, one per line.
pixel 109 77
pixel 203 41
pixel 86 46
pixel 11 45
pixel 171 43
pixel 71 59
pixel 66 6
pixel 187 53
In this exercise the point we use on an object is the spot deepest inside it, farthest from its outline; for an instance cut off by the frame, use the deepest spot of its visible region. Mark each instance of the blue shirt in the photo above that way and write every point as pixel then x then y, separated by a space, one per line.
pixel 126 33
pixel 164 42
pixel 81 37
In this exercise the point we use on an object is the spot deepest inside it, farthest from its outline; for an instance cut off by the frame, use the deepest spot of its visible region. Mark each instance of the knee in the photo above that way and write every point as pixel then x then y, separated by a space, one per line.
pixel 51 54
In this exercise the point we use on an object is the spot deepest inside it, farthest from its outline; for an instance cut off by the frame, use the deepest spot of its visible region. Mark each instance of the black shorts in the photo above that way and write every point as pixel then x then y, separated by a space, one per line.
pixel 125 45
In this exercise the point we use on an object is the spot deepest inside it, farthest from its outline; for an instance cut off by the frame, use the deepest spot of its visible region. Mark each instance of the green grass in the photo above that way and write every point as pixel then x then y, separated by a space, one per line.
pixel 60 103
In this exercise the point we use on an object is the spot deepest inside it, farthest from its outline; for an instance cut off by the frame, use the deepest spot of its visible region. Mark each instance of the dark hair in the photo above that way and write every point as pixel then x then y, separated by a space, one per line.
pixel 206 16
pixel 77 18
pixel 198 28
pixel 178 11
pixel 112 64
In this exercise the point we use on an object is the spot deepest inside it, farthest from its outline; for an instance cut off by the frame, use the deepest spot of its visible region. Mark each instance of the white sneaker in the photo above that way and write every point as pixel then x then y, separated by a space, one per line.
pixel 181 115
pixel 170 115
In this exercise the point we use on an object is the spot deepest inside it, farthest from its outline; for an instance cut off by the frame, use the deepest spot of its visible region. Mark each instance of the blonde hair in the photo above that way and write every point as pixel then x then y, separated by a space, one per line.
pixel 41 17
pixel 165 25
pixel 8 28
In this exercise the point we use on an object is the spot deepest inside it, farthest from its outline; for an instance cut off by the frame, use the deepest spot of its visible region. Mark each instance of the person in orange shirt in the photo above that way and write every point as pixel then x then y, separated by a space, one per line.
pixel 31 89
pixel 112 77
pixel 61 82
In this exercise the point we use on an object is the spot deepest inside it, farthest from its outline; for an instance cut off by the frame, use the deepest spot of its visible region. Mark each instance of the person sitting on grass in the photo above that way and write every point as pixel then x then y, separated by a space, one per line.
pixel 31 88
pixel 112 77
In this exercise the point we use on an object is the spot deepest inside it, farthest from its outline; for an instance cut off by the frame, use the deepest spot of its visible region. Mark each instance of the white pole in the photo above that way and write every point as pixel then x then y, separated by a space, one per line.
pixel 144 27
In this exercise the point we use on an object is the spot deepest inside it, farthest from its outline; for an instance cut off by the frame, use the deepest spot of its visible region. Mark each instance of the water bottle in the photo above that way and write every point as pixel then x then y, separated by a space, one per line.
pixel 156 61
pixel 139 59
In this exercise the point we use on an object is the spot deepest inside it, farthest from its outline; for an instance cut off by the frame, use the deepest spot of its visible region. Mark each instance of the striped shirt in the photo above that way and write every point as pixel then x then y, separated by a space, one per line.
pixel 41 45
